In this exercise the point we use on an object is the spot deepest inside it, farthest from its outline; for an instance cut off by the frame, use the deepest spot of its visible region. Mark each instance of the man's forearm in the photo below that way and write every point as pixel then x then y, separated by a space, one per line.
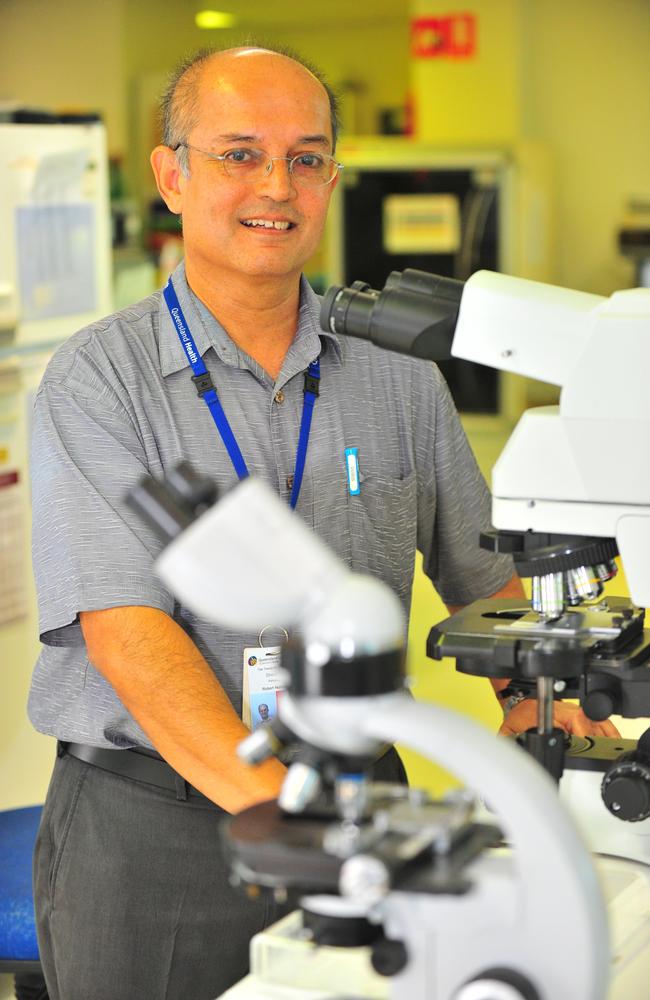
pixel 168 687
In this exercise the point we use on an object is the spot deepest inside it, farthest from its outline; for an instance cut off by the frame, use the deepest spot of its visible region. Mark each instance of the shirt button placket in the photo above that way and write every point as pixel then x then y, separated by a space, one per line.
pixel 279 398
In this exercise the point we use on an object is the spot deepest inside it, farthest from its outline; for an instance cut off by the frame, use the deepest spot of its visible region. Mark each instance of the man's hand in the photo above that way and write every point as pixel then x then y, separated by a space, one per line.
pixel 566 716
pixel 523 716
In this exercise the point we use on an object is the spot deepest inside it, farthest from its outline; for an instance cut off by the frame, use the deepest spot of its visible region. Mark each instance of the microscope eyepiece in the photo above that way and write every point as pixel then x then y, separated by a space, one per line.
pixel 415 313
pixel 349 310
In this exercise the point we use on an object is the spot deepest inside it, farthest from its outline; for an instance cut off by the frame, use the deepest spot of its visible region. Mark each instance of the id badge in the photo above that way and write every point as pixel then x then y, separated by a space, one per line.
pixel 263 684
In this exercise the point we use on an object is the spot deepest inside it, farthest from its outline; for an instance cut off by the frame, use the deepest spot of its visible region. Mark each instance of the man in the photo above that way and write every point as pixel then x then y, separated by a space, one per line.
pixel 132 894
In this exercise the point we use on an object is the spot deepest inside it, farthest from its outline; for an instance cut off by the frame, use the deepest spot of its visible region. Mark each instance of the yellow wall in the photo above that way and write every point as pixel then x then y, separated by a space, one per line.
pixel 66 55
pixel 473 100
pixel 587 75
pixel 573 75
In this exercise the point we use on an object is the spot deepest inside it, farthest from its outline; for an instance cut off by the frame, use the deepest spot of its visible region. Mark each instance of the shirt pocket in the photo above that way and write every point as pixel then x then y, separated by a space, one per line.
pixel 383 530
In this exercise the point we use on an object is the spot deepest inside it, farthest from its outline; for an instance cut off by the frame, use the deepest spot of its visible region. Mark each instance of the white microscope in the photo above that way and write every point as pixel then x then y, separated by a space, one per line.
pixel 400 896
pixel 570 492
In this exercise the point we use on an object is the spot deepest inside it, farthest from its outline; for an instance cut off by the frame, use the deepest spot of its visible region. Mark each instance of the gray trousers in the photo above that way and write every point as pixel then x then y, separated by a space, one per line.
pixel 132 892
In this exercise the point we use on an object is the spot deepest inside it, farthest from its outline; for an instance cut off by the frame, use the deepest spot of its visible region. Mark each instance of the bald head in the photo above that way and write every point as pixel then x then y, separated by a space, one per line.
pixel 211 70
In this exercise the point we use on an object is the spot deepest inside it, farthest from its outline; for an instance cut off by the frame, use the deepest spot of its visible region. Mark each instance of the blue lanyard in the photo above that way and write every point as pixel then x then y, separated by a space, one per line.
pixel 206 390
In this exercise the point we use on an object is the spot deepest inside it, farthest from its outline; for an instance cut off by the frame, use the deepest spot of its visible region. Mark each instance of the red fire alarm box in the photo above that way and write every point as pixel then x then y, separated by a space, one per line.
pixel 452 36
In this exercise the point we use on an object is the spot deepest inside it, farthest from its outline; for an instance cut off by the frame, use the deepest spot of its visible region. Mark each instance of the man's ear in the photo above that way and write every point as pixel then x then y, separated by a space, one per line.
pixel 334 184
pixel 169 177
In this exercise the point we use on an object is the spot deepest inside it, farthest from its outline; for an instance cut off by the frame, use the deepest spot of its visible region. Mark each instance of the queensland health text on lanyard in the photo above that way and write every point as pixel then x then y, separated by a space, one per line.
pixel 206 390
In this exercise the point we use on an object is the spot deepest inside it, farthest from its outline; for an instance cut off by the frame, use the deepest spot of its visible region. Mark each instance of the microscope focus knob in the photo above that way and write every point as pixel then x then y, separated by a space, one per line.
pixel 626 787
pixel 498 984
pixel 600 704
pixel 388 957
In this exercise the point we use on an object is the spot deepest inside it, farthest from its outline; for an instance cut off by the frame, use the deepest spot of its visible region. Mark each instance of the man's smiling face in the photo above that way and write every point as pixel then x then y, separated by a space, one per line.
pixel 253 99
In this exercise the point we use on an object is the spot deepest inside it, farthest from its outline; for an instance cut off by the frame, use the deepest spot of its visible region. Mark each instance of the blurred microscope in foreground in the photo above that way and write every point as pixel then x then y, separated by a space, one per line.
pixel 400 896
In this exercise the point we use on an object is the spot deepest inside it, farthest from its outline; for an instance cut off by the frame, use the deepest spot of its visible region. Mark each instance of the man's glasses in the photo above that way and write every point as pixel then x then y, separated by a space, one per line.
pixel 309 169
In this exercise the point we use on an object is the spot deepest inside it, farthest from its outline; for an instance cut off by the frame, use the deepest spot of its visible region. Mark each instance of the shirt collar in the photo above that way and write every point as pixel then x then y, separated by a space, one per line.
pixel 310 339
pixel 208 332
pixel 205 329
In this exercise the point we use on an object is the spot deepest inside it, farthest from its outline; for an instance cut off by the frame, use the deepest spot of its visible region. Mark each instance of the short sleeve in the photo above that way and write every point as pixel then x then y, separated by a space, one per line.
pixel 90 551
pixel 454 509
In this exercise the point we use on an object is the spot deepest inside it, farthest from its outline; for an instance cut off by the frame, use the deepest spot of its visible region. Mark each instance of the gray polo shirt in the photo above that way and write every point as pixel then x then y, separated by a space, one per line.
pixel 117 402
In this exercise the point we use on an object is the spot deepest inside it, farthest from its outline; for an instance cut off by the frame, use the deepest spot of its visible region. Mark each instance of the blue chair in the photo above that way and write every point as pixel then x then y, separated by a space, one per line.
pixel 18 945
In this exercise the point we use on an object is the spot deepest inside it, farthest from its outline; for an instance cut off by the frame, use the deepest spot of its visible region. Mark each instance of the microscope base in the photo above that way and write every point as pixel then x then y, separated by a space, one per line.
pixel 286 967
pixel 603 832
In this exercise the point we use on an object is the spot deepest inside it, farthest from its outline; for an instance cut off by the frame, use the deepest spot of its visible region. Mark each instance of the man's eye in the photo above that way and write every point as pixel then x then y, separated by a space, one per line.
pixel 240 156
pixel 310 161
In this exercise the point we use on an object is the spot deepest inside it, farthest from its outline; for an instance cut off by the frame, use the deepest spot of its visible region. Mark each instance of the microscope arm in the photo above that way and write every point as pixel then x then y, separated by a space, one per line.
pixel 547 848
pixel 542 902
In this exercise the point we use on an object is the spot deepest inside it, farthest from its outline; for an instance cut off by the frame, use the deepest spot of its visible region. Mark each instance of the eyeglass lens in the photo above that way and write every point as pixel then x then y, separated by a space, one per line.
pixel 306 168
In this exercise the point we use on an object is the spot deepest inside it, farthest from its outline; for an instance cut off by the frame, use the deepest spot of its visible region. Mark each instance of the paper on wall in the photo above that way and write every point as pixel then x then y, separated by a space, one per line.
pixel 56 268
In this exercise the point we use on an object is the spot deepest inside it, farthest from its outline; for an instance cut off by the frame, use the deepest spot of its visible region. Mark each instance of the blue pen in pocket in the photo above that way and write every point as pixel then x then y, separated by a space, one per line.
pixel 352 469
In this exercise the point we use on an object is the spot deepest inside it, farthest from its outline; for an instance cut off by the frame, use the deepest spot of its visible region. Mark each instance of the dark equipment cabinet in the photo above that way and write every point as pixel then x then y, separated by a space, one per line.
pixel 475 388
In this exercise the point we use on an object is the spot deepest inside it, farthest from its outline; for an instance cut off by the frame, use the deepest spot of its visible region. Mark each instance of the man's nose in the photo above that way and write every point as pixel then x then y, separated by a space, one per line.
pixel 277 181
